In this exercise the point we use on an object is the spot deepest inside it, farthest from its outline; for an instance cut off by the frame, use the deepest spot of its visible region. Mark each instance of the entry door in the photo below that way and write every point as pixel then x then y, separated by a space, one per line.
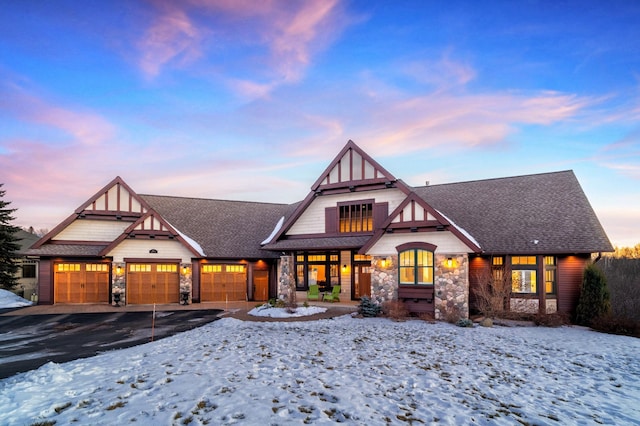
pixel 81 283
pixel 362 281
pixel 261 285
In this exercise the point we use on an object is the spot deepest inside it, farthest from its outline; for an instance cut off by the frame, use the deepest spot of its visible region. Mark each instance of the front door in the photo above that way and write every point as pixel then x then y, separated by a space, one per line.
pixel 261 285
pixel 362 281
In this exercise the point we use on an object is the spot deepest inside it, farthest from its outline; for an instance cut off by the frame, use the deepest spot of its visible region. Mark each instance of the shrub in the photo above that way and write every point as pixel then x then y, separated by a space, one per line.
pixel 464 322
pixel 395 309
pixel 594 299
pixel 556 319
pixel 451 315
pixel 368 308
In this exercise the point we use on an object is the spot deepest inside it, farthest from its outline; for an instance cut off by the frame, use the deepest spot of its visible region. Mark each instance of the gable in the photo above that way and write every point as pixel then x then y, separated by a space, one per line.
pixel 101 218
pixel 152 226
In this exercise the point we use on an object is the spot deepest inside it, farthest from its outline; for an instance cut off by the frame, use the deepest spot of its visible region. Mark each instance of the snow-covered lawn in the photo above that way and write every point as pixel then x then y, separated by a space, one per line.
pixel 360 371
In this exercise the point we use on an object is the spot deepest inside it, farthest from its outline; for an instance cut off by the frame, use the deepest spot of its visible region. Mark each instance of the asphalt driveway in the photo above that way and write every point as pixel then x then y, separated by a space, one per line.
pixel 30 341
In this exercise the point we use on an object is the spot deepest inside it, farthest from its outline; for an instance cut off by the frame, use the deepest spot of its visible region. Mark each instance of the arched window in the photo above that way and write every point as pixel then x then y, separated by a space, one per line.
pixel 415 265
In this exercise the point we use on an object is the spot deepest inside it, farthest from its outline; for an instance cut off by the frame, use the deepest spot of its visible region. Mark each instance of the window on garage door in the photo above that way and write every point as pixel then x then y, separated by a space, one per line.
pixel 220 283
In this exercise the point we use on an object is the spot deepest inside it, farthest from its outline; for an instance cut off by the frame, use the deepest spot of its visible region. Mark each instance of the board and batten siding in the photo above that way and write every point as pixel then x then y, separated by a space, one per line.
pixel 139 249
pixel 92 230
pixel 312 220
pixel 445 242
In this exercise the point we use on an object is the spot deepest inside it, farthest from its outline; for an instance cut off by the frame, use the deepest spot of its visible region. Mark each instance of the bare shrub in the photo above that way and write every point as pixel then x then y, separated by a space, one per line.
pixel 450 314
pixel 616 325
pixel 426 316
pixel 556 319
pixel 395 309
pixel 493 292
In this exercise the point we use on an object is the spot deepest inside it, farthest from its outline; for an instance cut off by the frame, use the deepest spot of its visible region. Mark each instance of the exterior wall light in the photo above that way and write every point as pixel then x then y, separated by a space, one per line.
pixel 118 270
pixel 344 268
pixel 185 269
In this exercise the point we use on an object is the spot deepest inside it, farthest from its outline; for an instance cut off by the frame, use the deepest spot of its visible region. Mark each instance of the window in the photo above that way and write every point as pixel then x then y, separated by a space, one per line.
pixel 416 267
pixel 167 268
pixel 550 274
pixel 97 267
pixel 356 217
pixel 524 274
pixel 211 268
pixel 322 269
pixel 28 270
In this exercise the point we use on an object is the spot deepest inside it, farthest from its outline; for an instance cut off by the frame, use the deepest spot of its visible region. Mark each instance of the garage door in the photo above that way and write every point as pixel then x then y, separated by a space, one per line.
pixel 81 283
pixel 149 283
pixel 221 283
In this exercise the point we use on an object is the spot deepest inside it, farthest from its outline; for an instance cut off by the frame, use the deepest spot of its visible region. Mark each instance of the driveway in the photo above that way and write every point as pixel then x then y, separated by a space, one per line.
pixel 30 341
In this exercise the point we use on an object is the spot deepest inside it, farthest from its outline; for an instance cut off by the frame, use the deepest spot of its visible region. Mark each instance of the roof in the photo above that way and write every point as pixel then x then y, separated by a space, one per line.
pixel 67 250
pixel 25 240
pixel 542 213
pixel 224 229
pixel 321 243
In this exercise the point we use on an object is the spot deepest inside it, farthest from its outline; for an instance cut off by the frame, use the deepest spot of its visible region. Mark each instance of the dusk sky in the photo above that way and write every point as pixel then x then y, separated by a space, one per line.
pixel 250 100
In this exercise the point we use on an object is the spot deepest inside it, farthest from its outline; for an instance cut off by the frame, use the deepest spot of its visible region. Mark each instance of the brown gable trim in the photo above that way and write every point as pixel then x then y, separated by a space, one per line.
pixel 416 245
pixel 169 232
pixel 82 210
pixel 342 187
pixel 117 181
pixel 422 226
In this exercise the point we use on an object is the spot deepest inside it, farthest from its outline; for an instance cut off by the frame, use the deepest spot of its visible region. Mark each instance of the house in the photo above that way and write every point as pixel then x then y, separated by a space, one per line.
pixel 28 267
pixel 359 227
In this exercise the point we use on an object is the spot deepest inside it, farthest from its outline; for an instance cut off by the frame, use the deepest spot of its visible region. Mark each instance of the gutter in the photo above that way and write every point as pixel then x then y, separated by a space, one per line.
pixel 598 257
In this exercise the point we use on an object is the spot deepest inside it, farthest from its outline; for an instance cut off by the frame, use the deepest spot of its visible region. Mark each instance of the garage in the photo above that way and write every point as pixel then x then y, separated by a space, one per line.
pixel 223 283
pixel 149 283
pixel 79 282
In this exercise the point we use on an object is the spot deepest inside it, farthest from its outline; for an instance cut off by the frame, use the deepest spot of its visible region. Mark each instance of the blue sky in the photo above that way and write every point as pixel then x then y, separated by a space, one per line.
pixel 249 100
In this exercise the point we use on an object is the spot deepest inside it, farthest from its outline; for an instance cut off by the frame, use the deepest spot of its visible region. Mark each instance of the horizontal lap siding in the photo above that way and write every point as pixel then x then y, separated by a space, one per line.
pixel 478 269
pixel 93 230
pixel 45 283
pixel 570 273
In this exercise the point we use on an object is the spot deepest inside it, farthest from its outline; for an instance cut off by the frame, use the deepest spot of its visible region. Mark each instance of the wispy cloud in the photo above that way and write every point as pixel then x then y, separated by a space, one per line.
pixel 279 37
pixel 81 125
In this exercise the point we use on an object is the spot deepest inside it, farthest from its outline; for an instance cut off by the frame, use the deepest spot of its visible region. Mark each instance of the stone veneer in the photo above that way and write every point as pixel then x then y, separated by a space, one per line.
pixel 451 286
pixel 185 281
pixel 384 278
pixel 286 281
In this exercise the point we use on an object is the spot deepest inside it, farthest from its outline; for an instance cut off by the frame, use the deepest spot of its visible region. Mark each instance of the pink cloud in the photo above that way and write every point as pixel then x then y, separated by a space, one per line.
pixel 289 33
pixel 83 126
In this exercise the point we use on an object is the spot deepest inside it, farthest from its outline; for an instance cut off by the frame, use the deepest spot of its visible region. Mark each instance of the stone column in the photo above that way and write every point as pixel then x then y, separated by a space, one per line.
pixel 118 282
pixel 451 285
pixel 286 281
pixel 186 274
pixel 384 278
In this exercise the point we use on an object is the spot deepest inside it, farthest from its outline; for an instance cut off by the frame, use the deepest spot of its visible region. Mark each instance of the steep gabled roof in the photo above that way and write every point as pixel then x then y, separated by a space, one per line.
pixel 543 213
pixel 417 215
pixel 152 225
pixel 224 229
pixel 116 200
pixel 352 170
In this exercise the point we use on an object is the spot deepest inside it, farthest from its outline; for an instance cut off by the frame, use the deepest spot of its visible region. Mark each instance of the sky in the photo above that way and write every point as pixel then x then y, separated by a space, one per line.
pixel 372 371
pixel 251 100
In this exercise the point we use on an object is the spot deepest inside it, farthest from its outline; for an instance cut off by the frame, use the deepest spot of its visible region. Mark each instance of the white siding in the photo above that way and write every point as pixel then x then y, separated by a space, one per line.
pixel 312 219
pixel 345 276
pixel 445 241
pixel 167 249
pixel 92 230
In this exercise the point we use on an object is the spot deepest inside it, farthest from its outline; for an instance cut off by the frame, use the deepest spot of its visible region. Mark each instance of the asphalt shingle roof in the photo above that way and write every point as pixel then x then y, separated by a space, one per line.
pixel 224 229
pixel 508 215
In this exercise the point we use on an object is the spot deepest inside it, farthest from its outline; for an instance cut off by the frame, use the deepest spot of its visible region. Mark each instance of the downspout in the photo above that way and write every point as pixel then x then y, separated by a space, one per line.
pixel 597 258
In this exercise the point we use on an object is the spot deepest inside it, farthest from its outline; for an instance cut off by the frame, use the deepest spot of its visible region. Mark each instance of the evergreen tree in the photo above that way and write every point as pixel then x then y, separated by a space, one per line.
pixel 8 245
pixel 594 299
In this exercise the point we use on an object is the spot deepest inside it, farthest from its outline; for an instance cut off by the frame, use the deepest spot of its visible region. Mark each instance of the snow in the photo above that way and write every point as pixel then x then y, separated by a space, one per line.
pixel 371 371
pixel 12 300
pixel 461 229
pixel 277 229
pixel 269 311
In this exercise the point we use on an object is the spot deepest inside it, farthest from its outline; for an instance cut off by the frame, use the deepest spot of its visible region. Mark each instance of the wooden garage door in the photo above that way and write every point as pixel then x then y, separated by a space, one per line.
pixel 222 283
pixel 81 283
pixel 152 283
